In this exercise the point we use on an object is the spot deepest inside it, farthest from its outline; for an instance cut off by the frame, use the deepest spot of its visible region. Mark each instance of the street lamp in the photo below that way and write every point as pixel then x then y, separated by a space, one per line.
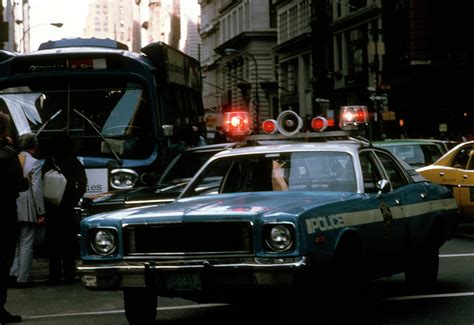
pixel 26 34
pixel 230 51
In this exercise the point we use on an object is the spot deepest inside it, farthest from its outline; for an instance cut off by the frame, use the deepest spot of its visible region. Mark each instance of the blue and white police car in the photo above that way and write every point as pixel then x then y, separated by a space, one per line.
pixel 274 214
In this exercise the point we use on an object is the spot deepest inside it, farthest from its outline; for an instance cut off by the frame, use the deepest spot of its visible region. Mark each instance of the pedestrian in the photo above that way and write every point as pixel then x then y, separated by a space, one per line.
pixel 12 183
pixel 193 136
pixel 30 211
pixel 61 223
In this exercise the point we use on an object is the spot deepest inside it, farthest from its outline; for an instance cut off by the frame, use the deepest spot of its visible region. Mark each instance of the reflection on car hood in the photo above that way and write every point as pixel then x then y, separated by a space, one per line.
pixel 226 205
pixel 141 194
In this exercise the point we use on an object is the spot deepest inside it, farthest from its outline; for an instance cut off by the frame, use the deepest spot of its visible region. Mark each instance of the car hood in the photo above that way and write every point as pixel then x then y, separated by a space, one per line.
pixel 141 194
pixel 224 206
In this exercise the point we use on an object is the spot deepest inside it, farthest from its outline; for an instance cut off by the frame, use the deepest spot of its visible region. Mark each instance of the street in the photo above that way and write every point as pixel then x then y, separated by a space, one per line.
pixel 386 303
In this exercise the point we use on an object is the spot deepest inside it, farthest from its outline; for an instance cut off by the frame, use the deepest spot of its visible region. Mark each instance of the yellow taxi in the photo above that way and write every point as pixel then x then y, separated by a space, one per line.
pixel 455 169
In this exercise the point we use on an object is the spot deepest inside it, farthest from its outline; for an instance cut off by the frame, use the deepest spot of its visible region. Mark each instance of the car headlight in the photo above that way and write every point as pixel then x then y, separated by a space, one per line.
pixel 279 237
pixel 123 178
pixel 103 241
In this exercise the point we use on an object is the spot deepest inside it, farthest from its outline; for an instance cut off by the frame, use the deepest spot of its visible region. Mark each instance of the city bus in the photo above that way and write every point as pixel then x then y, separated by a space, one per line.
pixel 120 108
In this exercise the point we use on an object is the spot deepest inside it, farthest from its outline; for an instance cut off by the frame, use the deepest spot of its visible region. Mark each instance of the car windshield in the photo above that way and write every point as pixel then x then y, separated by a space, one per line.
pixel 185 166
pixel 91 111
pixel 294 171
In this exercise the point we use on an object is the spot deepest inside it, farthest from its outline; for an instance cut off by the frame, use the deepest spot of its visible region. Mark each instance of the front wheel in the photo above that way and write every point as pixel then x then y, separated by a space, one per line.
pixel 140 305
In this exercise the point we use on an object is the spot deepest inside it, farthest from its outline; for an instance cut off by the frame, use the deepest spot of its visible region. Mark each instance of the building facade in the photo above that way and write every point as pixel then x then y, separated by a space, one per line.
pixel 238 64
pixel 114 19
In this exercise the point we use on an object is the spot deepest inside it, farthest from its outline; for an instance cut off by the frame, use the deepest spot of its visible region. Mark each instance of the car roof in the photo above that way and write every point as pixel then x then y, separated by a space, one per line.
pixel 390 142
pixel 290 146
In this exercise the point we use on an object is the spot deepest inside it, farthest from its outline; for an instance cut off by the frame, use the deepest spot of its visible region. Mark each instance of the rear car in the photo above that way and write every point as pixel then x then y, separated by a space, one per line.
pixel 415 152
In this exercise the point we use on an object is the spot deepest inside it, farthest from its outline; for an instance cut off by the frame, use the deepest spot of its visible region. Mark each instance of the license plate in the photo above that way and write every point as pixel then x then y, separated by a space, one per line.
pixel 183 281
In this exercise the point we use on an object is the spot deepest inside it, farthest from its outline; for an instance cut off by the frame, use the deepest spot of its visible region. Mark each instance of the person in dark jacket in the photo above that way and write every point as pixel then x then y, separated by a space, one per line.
pixel 12 183
pixel 61 225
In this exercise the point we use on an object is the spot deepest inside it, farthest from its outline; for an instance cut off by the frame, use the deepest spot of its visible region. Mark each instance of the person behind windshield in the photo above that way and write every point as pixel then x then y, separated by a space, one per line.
pixel 279 182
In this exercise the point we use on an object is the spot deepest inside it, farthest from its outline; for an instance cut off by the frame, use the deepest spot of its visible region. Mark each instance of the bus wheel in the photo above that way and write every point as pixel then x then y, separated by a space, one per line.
pixel 140 305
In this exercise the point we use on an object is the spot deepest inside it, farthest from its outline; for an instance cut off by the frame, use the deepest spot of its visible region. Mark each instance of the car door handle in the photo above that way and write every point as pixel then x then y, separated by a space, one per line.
pixel 464 176
pixel 441 174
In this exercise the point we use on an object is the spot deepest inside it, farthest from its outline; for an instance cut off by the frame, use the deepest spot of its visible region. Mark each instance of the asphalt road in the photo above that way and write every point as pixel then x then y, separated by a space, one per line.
pixel 387 302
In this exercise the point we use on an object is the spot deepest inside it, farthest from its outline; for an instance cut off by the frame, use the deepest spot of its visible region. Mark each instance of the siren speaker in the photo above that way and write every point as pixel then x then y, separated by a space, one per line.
pixel 289 123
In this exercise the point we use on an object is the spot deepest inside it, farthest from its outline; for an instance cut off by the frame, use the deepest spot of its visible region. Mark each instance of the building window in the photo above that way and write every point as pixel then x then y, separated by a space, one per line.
pixel 273 16
pixel 283 27
pixel 234 24
pixel 305 16
pixel 293 17
pixel 356 51
pixel 246 16
pixel 240 19
pixel 223 31
pixel 307 71
pixel 339 53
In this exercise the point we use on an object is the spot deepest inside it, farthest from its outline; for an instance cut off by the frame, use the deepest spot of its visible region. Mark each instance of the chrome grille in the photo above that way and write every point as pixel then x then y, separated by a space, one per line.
pixel 188 238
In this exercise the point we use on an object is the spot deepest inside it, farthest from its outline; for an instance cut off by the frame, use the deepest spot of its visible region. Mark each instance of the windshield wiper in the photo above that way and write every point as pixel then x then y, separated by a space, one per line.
pixel 101 136
pixel 52 117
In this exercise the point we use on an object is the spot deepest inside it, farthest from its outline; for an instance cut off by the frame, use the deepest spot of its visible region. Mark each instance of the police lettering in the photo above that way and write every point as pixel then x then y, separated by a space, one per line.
pixel 324 223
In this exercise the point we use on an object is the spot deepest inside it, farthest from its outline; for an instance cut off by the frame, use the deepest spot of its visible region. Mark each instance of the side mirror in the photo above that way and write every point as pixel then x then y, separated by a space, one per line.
pixel 383 186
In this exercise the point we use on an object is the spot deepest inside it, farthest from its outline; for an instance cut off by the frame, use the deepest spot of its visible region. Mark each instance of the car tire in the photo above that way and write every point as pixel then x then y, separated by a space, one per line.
pixel 348 285
pixel 140 305
pixel 348 266
pixel 422 271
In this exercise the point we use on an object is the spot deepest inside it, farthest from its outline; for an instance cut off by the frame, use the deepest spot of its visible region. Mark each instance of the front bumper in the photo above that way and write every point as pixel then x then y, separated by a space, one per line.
pixel 186 275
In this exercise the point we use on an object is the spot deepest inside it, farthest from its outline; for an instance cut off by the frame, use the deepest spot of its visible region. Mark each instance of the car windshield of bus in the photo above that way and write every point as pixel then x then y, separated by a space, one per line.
pixel 104 116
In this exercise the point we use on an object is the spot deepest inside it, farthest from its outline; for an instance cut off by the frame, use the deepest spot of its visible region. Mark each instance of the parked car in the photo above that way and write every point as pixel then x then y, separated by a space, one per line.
pixel 416 152
pixel 173 180
pixel 455 169
pixel 287 215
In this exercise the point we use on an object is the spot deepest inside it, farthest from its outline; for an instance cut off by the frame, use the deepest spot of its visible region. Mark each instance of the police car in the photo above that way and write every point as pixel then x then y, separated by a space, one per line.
pixel 283 211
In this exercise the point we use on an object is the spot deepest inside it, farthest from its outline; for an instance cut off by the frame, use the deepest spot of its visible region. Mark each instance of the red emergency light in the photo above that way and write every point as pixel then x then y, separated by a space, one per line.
pixel 269 126
pixel 319 123
pixel 237 123
pixel 353 117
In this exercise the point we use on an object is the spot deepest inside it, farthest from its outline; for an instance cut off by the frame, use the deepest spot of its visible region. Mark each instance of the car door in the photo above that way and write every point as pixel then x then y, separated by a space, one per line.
pixel 467 187
pixel 393 204
pixel 458 175
pixel 387 231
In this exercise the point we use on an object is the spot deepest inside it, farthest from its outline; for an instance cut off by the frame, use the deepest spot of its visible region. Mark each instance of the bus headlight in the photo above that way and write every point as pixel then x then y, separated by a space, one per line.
pixel 103 241
pixel 123 178
pixel 279 237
